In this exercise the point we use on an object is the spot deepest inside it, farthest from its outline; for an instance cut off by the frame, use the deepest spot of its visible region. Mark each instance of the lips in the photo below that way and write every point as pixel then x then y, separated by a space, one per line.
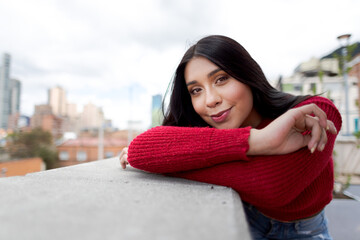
pixel 221 116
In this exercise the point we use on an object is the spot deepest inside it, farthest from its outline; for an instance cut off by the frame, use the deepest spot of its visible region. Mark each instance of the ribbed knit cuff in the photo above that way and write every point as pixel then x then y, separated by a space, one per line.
pixel 230 144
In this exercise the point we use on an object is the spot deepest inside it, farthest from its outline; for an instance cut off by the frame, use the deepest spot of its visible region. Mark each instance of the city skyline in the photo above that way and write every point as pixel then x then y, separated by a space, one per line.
pixel 117 55
pixel 58 109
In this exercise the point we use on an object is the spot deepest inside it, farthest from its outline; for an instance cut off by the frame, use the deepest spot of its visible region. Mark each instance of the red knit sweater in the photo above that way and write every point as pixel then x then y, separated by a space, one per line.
pixel 285 187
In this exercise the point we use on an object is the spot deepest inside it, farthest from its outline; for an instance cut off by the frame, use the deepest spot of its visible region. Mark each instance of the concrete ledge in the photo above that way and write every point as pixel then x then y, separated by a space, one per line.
pixel 99 200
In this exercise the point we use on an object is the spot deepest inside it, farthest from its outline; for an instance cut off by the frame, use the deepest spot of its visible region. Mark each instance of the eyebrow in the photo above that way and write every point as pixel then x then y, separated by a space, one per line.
pixel 210 74
pixel 213 72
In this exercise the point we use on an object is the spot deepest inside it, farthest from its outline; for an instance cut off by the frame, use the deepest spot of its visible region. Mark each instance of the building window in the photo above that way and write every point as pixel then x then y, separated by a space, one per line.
pixel 64 155
pixel 81 156
pixel 109 154
pixel 313 88
pixel 298 87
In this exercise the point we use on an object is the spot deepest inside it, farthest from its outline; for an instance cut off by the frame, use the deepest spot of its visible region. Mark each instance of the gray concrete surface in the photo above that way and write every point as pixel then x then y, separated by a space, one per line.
pixel 99 200
pixel 354 189
pixel 344 219
pixel 344 216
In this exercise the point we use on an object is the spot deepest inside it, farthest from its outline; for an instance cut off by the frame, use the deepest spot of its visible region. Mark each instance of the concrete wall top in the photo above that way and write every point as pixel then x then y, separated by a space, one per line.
pixel 99 200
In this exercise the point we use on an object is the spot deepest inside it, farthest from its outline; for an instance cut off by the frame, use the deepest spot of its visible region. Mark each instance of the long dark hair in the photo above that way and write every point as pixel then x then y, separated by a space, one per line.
pixel 231 57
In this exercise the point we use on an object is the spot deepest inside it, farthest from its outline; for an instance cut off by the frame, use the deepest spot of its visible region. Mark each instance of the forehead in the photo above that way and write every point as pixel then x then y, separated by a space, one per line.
pixel 197 68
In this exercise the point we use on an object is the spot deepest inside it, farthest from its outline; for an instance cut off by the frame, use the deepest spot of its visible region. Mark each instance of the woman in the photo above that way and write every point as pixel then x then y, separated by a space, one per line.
pixel 226 125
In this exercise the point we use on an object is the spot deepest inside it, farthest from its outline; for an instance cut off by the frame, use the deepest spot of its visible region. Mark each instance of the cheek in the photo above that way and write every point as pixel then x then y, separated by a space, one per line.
pixel 239 93
pixel 241 96
pixel 196 102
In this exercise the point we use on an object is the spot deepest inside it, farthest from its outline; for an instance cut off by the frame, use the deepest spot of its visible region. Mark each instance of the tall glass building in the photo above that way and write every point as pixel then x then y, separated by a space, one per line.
pixel 10 90
pixel 4 91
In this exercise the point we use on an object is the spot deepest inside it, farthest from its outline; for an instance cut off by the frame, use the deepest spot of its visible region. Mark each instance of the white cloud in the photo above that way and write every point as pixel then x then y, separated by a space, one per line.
pixel 96 50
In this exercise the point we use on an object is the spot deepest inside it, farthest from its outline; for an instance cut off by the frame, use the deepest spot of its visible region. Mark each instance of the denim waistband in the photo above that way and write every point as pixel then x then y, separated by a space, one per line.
pixel 264 227
pixel 256 211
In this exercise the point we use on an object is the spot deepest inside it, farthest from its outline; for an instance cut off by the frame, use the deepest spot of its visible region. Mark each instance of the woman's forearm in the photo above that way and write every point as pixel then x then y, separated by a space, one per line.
pixel 172 149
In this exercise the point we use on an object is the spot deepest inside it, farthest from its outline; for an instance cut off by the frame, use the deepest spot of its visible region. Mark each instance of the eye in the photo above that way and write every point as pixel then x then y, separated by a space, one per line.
pixel 221 79
pixel 195 91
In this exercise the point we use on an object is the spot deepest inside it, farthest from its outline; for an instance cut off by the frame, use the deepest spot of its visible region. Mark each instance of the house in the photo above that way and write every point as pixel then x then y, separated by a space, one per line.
pixel 86 149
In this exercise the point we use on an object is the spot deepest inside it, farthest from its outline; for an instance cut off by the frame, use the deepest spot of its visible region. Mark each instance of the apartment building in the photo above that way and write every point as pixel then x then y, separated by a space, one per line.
pixel 85 149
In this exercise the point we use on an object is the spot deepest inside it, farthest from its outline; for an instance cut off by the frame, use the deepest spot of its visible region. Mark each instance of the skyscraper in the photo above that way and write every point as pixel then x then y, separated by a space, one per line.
pixel 57 100
pixel 15 91
pixel 4 91
pixel 14 104
pixel 92 116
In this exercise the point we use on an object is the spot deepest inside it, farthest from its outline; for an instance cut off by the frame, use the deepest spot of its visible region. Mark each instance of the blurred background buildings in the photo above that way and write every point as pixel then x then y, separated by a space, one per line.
pixel 325 76
pixel 86 135
pixel 75 136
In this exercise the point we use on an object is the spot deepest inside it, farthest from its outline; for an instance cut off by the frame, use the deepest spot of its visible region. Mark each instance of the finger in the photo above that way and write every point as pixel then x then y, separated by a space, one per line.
pixel 123 151
pixel 313 125
pixel 317 112
pixel 123 161
pixel 323 137
pixel 306 140
pixel 323 140
pixel 331 127
pixel 123 166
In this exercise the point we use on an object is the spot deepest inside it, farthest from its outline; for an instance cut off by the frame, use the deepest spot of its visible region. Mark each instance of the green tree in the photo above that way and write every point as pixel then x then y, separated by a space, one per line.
pixel 37 143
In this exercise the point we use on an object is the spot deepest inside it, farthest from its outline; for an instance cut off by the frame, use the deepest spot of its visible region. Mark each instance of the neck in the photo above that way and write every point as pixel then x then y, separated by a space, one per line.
pixel 253 120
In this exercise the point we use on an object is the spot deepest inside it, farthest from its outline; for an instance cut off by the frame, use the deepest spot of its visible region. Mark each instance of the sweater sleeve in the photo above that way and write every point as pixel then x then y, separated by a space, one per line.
pixel 167 149
pixel 274 180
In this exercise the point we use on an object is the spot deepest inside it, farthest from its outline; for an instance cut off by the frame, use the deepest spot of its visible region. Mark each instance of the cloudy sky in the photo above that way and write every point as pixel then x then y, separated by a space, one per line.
pixel 117 54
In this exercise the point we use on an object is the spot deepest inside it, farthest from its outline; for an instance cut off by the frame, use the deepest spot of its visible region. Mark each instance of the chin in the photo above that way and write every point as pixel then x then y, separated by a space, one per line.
pixel 226 126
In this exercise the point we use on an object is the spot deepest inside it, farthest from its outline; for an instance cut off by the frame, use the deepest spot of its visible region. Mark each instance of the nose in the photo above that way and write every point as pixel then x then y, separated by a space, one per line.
pixel 213 98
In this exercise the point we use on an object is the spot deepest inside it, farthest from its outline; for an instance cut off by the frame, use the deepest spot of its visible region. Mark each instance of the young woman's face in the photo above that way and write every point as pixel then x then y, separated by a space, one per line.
pixel 220 100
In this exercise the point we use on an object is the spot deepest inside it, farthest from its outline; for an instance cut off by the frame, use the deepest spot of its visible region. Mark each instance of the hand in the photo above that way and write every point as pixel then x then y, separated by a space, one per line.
pixel 284 134
pixel 123 157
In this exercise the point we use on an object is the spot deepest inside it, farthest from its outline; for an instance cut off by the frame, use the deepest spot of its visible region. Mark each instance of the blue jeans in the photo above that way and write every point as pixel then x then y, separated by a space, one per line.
pixel 264 228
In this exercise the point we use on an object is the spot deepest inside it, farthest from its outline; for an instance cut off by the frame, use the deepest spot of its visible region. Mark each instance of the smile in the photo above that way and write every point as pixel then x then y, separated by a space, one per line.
pixel 221 116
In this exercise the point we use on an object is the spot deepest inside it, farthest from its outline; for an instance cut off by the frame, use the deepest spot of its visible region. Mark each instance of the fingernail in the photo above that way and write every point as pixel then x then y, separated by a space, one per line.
pixel 322 147
pixel 327 128
pixel 313 148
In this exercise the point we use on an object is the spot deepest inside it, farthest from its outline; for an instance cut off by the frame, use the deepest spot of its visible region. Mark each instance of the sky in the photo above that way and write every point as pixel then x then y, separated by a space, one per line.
pixel 117 54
